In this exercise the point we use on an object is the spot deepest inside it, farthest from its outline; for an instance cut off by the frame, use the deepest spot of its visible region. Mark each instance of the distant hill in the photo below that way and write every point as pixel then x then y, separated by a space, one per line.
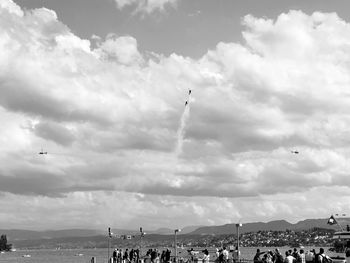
pixel 168 231
pixel 248 227
pixel 189 229
pixel 161 231
pixel 18 234
pixel 278 225
pixel 321 223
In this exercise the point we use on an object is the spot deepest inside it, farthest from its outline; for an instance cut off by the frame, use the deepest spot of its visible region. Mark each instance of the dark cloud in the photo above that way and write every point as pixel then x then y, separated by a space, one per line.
pixel 20 97
pixel 36 182
pixel 54 132
pixel 32 182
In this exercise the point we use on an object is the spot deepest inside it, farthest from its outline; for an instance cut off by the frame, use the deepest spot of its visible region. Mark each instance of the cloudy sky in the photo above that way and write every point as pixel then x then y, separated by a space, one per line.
pixel 101 86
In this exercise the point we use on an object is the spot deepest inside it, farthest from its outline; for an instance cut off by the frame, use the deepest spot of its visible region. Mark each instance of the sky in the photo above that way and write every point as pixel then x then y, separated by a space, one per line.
pixel 101 87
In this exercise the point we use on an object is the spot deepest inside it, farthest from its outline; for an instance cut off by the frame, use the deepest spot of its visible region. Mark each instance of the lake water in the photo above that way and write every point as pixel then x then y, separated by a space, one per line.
pixel 85 255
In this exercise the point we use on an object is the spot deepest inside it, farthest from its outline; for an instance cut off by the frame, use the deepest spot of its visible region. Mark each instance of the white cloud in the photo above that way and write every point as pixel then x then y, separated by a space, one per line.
pixel 146 6
pixel 109 118
pixel 123 49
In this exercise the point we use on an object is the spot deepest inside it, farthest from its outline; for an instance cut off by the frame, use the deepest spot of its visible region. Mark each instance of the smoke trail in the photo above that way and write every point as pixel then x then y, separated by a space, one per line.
pixel 181 131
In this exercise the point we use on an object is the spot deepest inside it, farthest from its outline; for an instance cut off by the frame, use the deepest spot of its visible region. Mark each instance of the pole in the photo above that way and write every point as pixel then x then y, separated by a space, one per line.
pixel 108 237
pixel 141 234
pixel 238 226
pixel 238 243
pixel 175 246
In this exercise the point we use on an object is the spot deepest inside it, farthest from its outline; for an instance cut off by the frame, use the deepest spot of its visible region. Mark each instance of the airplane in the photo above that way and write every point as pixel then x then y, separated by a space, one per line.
pixel 294 152
pixel 42 152
pixel 186 103
pixel 189 92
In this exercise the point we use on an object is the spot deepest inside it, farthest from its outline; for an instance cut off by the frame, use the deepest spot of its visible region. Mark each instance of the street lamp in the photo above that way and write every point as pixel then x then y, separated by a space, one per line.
pixel 175 232
pixel 109 237
pixel 141 236
pixel 238 225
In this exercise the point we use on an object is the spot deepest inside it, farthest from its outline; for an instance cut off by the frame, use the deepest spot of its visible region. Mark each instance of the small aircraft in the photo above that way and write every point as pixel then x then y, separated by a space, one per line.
pixel 186 103
pixel 42 152
pixel 189 92
pixel 294 152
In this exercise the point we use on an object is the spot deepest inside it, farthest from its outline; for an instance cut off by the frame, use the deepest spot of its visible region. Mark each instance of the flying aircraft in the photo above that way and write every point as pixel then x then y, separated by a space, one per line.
pixel 189 92
pixel 294 152
pixel 186 103
pixel 42 152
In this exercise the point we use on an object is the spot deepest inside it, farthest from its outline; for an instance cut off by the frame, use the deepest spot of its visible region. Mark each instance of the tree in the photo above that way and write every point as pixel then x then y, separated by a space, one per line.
pixel 3 244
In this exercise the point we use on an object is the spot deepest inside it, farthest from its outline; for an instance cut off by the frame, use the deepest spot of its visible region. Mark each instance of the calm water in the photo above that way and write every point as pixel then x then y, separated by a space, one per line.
pixel 85 255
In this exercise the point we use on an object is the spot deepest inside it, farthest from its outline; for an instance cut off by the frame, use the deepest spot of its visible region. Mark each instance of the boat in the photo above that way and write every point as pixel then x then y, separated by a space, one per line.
pixel 26 256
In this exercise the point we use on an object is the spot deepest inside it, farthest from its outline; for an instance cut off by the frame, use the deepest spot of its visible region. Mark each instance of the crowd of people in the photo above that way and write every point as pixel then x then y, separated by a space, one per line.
pixel 126 256
pixel 221 256
pixel 133 256
pixel 292 256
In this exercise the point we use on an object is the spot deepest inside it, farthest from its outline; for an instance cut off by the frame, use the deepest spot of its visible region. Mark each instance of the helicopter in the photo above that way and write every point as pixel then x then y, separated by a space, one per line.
pixel 42 152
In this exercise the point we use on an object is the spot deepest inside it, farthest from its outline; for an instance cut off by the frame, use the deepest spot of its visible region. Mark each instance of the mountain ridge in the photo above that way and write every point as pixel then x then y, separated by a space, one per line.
pixel 276 225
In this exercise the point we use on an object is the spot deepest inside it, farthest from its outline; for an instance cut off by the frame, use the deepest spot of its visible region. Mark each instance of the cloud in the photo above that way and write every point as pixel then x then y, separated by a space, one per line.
pixel 110 117
pixel 123 49
pixel 146 6
pixel 54 132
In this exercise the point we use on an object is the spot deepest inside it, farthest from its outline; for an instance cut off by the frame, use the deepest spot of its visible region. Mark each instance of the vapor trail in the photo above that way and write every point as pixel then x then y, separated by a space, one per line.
pixel 181 131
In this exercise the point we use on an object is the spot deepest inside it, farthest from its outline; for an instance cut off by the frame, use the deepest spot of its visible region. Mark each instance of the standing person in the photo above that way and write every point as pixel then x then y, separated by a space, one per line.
pixel 192 255
pixel 217 254
pixel 269 256
pixel 153 255
pixel 114 256
pixel 131 255
pixel 120 256
pixel 323 258
pixel 157 259
pixel 137 255
pixel 126 256
pixel 221 256
pixel 302 256
pixel 296 255
pixel 147 258
pixel 289 258
pixel 225 255
pixel 310 256
pixel 257 257
pixel 167 255
pixel 162 257
pixel 206 256
pixel 278 256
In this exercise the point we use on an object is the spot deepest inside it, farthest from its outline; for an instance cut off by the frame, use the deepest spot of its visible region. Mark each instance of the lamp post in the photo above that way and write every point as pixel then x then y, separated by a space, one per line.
pixel 238 225
pixel 109 237
pixel 175 247
pixel 141 236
